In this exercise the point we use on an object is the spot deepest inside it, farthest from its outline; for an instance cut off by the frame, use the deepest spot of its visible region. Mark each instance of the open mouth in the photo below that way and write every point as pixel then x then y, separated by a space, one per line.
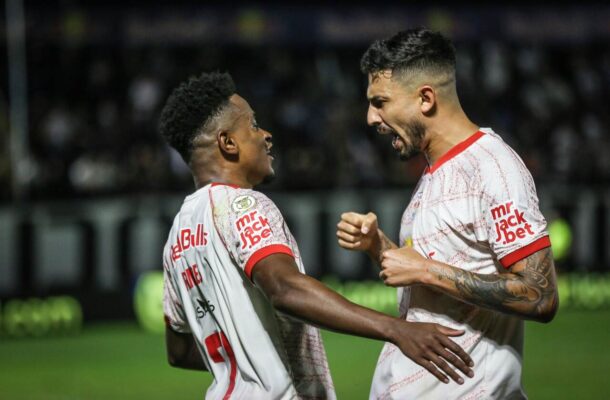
pixel 396 141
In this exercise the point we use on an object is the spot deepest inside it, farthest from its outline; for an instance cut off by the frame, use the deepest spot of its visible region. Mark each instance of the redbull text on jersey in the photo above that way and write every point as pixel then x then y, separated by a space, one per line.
pixel 186 239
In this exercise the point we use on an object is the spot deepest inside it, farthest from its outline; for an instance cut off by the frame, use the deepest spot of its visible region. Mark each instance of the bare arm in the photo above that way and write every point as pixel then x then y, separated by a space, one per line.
pixel 303 297
pixel 182 352
pixel 528 289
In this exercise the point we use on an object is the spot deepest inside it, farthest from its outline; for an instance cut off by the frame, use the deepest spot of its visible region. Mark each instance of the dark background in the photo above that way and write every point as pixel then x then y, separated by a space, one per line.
pixel 88 189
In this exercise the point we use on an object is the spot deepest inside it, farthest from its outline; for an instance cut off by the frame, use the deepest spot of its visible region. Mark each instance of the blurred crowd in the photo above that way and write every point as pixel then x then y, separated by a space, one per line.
pixel 93 113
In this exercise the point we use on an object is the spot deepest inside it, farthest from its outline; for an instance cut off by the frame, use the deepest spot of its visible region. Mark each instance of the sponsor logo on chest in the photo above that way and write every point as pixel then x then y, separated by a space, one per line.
pixel 510 223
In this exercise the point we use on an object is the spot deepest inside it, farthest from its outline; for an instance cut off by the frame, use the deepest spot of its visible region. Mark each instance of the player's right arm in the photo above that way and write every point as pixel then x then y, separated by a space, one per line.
pixel 361 232
pixel 305 298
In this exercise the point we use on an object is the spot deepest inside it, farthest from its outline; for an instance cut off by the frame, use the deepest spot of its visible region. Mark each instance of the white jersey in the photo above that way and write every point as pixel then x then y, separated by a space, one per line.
pixel 252 350
pixel 476 208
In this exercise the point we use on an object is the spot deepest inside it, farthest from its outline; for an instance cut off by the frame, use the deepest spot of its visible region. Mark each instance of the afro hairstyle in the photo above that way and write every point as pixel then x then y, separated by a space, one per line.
pixel 191 106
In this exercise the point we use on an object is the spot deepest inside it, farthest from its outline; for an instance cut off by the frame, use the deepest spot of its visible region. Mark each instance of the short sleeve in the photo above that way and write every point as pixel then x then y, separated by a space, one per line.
pixel 514 226
pixel 173 311
pixel 252 226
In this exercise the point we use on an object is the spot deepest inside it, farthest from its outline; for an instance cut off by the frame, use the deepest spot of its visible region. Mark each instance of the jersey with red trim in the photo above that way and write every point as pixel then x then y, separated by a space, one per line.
pixel 476 209
pixel 252 350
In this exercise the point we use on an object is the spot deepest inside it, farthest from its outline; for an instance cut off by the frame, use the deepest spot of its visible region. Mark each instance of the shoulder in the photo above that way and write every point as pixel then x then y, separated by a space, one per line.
pixel 232 192
pixel 502 172
pixel 239 201
pixel 496 160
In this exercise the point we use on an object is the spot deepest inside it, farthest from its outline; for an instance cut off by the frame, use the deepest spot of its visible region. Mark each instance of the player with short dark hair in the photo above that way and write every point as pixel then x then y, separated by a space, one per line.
pixel 237 300
pixel 474 251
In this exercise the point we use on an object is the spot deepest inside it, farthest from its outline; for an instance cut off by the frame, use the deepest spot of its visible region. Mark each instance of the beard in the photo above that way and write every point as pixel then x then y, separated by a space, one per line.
pixel 415 131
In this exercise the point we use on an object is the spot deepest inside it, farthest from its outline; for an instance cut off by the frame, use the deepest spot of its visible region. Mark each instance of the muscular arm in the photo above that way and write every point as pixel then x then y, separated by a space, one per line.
pixel 527 290
pixel 305 298
pixel 182 351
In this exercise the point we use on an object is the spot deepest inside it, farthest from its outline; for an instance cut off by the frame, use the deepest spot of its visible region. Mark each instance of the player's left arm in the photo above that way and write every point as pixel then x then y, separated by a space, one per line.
pixel 182 351
pixel 527 288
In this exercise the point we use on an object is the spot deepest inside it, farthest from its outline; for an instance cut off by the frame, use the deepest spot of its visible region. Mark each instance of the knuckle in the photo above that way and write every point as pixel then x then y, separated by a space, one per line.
pixel 429 354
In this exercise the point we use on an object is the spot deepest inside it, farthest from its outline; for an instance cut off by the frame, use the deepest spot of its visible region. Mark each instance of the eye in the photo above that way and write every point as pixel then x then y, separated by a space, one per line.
pixel 255 125
pixel 377 102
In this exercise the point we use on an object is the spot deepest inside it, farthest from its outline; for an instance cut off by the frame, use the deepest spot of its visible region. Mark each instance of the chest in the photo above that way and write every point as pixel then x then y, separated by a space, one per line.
pixel 443 212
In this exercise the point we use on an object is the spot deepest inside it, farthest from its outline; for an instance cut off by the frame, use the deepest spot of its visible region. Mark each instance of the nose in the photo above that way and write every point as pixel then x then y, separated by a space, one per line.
pixel 268 138
pixel 372 116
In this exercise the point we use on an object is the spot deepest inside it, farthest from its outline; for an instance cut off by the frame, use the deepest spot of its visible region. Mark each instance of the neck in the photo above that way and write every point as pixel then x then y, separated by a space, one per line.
pixel 447 132
pixel 207 171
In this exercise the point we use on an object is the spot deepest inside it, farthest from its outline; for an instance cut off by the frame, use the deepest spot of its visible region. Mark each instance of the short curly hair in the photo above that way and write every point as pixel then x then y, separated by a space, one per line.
pixel 412 49
pixel 191 106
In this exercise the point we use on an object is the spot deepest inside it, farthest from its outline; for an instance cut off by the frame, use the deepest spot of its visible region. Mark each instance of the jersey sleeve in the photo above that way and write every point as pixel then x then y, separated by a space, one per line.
pixel 252 226
pixel 173 310
pixel 513 224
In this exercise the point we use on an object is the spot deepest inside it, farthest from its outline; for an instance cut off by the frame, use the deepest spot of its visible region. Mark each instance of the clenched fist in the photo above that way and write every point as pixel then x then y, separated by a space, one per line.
pixel 402 267
pixel 358 232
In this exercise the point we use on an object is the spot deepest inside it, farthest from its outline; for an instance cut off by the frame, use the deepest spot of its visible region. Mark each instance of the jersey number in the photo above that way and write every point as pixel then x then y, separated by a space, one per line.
pixel 213 344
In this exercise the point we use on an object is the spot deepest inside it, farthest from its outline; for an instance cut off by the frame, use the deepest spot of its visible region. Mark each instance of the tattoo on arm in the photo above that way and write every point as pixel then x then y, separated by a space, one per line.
pixel 529 292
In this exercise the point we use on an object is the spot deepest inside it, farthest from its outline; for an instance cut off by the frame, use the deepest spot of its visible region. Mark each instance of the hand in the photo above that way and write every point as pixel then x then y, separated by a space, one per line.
pixel 358 232
pixel 402 267
pixel 429 346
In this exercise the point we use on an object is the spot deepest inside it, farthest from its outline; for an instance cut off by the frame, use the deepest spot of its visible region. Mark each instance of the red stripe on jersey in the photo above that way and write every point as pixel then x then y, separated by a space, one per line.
pixel 265 252
pixel 523 252
pixel 213 344
pixel 454 151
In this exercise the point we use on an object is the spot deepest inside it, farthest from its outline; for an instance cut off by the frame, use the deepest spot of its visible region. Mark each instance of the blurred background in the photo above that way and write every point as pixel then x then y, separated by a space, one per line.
pixel 88 189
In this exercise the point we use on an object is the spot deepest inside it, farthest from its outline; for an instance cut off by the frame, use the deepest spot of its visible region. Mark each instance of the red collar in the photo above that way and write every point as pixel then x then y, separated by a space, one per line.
pixel 225 184
pixel 454 151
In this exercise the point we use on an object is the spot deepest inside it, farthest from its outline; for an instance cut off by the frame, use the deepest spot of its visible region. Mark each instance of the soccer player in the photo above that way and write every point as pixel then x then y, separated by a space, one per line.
pixel 474 253
pixel 237 300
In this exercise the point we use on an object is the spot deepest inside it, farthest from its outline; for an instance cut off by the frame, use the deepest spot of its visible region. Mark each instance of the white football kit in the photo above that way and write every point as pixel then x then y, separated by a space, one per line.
pixel 476 209
pixel 252 350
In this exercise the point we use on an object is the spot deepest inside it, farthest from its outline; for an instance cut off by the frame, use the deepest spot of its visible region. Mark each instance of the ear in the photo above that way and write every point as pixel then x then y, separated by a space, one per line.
pixel 427 98
pixel 227 143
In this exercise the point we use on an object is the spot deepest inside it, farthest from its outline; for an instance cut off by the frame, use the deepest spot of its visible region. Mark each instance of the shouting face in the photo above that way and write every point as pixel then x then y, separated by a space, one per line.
pixel 393 110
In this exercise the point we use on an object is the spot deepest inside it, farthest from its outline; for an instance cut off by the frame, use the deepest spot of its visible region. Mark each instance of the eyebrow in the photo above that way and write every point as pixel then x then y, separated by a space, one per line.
pixel 376 98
